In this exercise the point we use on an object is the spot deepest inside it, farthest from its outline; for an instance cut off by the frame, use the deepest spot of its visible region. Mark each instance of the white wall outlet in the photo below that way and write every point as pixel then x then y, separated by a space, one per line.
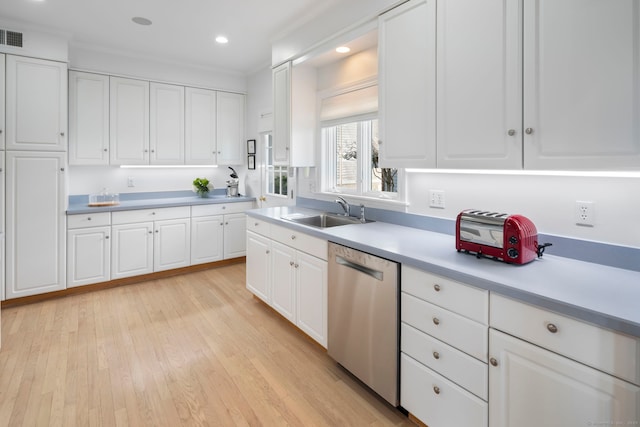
pixel 585 213
pixel 130 182
pixel 436 199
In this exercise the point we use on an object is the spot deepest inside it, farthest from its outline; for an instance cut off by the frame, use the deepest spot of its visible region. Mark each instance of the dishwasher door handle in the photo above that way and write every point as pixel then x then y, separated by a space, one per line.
pixel 361 268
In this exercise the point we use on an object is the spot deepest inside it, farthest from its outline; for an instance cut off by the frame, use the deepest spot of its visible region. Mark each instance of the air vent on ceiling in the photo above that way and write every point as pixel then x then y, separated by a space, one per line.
pixel 10 38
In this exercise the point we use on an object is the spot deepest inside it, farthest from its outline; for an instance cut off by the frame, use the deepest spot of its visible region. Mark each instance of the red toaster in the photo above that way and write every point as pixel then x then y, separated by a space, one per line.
pixel 509 238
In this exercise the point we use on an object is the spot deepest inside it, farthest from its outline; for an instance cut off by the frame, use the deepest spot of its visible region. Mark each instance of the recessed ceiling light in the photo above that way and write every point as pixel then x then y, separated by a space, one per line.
pixel 222 40
pixel 141 21
pixel 343 49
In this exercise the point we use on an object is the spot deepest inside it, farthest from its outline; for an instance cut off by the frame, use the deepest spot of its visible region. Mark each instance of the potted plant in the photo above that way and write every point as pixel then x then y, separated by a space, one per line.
pixel 202 186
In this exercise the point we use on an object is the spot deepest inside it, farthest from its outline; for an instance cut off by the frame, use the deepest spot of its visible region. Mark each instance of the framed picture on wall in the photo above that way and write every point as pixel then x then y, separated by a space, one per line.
pixel 251 161
pixel 251 146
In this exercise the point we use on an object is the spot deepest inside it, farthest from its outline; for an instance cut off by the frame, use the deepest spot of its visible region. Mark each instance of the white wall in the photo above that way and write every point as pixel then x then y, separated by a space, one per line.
pixel 259 102
pixel 108 62
pixel 36 43
pixel 92 179
pixel 549 201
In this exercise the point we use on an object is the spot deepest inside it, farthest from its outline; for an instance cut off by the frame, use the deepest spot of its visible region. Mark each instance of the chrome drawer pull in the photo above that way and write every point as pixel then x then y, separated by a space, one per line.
pixel 552 328
pixel 436 321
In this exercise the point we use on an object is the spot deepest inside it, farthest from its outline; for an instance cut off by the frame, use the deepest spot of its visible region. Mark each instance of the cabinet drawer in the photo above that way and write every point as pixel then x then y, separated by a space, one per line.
pixel 258 226
pixel 98 219
pixel 453 329
pixel 603 349
pixel 453 364
pixel 437 401
pixel 462 299
pixel 142 215
pixel 220 208
pixel 301 241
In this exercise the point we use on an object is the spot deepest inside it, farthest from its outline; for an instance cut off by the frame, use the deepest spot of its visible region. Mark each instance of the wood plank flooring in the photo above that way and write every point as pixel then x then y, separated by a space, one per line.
pixel 191 350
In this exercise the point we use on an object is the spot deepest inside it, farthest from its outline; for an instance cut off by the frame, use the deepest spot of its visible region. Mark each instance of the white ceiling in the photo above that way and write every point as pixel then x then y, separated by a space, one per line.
pixel 182 30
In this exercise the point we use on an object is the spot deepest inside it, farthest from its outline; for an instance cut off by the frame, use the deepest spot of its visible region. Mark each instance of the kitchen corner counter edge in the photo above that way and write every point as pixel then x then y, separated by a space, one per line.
pixel 602 295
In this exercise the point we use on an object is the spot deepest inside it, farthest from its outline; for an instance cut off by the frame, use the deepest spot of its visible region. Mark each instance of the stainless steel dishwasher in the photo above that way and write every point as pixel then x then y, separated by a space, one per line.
pixel 363 318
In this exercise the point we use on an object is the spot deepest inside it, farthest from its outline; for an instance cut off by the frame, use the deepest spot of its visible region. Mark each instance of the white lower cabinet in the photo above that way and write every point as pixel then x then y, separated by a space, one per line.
pixel 218 231
pixel 532 387
pixel 552 370
pixel 149 240
pixel 443 344
pixel 35 223
pixel 207 239
pixel 88 249
pixel 288 270
pixel 171 244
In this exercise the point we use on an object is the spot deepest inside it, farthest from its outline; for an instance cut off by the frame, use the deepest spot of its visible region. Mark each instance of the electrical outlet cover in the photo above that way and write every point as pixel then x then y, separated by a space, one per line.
pixel 585 213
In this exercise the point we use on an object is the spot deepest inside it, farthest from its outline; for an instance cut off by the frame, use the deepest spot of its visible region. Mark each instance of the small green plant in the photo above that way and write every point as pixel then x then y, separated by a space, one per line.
pixel 202 186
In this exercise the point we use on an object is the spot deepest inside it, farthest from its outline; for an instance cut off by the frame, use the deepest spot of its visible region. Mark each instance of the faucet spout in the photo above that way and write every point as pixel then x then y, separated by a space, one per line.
pixel 343 203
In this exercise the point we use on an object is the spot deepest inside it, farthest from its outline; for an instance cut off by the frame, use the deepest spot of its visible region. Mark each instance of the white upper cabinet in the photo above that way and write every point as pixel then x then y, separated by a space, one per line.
pixel 129 121
pixel 88 119
pixel 36 104
pixel 581 90
pixel 230 128
pixel 479 100
pixel 166 124
pixel 407 85
pixel 2 101
pixel 281 113
pixel 200 131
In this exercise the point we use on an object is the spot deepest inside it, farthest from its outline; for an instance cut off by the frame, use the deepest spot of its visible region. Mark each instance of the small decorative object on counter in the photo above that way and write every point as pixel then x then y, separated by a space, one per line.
pixel 232 184
pixel 202 186
pixel 104 199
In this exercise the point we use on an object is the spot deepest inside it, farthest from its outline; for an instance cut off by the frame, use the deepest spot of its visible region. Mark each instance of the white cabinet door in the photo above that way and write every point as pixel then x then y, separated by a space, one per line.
pixel 172 244
pixel 235 228
pixel 281 113
pixel 283 280
pixel 311 296
pixel 36 104
pixel 532 387
pixel 259 266
pixel 129 121
pixel 230 128
pixel 88 256
pixel 207 234
pixel 479 107
pixel 581 92
pixel 407 85
pixel 131 249
pixel 35 223
pixel 200 127
pixel 166 124
pixel 88 119
pixel 2 101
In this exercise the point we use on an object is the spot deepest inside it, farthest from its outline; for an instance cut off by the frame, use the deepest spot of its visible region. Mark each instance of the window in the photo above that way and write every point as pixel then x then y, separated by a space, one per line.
pixel 352 160
pixel 276 181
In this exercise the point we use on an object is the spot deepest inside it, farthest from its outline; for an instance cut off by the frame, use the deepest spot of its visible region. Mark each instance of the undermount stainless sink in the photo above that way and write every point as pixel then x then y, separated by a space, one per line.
pixel 323 220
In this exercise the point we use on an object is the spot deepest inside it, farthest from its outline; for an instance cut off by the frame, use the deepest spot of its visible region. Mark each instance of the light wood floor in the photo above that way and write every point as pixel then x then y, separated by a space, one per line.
pixel 196 349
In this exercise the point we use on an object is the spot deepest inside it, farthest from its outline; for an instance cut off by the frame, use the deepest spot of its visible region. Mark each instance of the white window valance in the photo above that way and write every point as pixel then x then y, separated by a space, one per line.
pixel 358 102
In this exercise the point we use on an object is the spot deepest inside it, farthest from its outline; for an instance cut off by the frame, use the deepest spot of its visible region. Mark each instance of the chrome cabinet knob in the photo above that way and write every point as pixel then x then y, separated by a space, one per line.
pixel 296 265
pixel 105 150
pixel 552 328
pixel 493 361
pixel 106 237
pixel 88 218
pixel 293 237
pixel 511 132
pixel 61 133
pixel 436 389
pixel 267 251
pixel 436 355
pixel 291 263
pixel 436 321
pixel 528 131
pixel 437 287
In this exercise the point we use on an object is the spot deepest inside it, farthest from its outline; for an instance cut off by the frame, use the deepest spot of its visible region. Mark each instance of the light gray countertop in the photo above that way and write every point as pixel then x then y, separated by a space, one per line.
pixel 132 201
pixel 603 295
